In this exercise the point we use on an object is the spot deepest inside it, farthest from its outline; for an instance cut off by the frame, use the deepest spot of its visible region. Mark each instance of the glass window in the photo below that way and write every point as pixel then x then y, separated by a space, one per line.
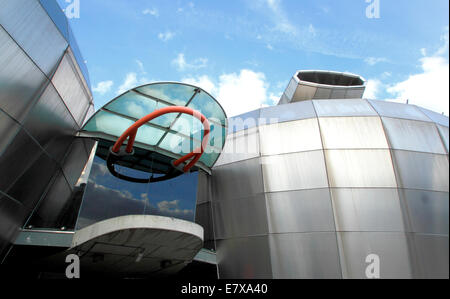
pixel 107 196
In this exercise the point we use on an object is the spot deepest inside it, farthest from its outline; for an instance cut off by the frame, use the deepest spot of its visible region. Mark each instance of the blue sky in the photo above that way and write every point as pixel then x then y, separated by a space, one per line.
pixel 245 51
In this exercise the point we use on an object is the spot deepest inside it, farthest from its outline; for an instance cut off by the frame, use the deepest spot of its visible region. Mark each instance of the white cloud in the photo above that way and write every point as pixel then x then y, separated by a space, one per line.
pixel 131 80
pixel 238 93
pixel 103 87
pixel 181 64
pixel 280 18
pixel 373 88
pixel 141 66
pixel 151 11
pixel 166 36
pixel 374 60
pixel 429 89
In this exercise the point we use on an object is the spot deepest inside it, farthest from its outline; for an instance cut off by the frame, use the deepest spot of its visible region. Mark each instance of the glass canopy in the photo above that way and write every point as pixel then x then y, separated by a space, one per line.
pixel 173 135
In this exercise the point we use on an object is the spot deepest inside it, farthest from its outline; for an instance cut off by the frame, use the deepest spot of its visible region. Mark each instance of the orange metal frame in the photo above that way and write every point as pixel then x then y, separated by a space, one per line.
pixel 195 155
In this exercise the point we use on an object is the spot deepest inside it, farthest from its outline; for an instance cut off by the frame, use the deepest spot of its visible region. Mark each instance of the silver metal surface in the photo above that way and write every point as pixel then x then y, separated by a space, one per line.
pixel 237 180
pixel 349 107
pixel 436 117
pixel 413 135
pixel 51 124
pixel 240 146
pixel 432 255
pixel 290 137
pixel 30 26
pixel 305 255
pixel 422 171
pixel 247 258
pixel 67 80
pixel 391 248
pixel 294 172
pixel 444 135
pixel 289 212
pixel 315 84
pixel 428 211
pixel 397 110
pixel 282 113
pixel 367 210
pixel 232 217
pixel 19 78
pixel 352 133
pixel 360 168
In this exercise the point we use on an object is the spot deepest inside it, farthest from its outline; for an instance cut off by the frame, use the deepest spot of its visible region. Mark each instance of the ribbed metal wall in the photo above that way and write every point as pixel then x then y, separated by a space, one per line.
pixel 44 99
pixel 327 183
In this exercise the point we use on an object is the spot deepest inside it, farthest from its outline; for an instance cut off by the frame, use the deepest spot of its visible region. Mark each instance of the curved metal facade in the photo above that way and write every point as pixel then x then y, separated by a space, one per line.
pixel 44 99
pixel 310 189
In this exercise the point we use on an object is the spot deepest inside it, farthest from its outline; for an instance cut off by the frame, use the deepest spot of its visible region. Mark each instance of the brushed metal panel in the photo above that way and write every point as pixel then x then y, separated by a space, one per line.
pixel 19 78
pixel 444 134
pixel 8 130
pixel 244 258
pixel 323 93
pixel 304 92
pixel 352 133
pixel 244 121
pixel 338 93
pixel 360 168
pixel 290 137
pixel 290 90
pixel 240 146
pixel 51 124
pixel 232 217
pixel 18 156
pixel 75 161
pixel 288 112
pixel 428 211
pixel 392 249
pixel 350 107
pixel 203 188
pixel 237 180
pixel 435 117
pixel 54 210
pixel 57 15
pixel 421 170
pixel 203 217
pixel 397 110
pixel 12 216
pixel 300 211
pixel 355 93
pixel 69 84
pixel 367 210
pixel 294 171
pixel 305 255
pixel 28 23
pixel 33 182
pixel 413 135
pixel 432 255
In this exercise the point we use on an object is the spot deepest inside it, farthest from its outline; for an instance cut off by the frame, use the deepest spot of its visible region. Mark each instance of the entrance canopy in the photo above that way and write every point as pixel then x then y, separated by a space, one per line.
pixel 170 136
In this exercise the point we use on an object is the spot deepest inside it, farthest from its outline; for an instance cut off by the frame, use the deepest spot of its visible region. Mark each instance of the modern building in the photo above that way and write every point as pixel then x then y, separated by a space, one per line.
pixel 306 189
pixel 313 186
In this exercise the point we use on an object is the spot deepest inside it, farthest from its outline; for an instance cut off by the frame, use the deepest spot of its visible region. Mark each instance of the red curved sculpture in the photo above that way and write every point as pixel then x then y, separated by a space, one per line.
pixel 132 131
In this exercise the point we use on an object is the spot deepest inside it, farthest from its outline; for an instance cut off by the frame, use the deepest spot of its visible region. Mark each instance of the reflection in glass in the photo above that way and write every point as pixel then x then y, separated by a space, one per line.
pixel 108 197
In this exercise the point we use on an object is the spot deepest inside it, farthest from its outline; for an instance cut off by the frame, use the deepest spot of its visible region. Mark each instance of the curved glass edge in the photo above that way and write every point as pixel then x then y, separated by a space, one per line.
pixel 180 130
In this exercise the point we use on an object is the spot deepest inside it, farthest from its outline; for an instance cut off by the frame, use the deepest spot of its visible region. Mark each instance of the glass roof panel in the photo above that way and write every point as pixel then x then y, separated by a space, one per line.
pixel 208 107
pixel 132 104
pixel 179 144
pixel 105 122
pixel 176 94
pixel 186 131
pixel 149 135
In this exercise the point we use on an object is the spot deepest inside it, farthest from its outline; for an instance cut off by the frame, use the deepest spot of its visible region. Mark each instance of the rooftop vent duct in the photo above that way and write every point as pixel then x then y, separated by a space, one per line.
pixel 315 85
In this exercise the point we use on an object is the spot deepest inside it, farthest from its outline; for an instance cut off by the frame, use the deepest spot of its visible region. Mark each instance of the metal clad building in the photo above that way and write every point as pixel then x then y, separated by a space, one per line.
pixel 45 97
pixel 310 188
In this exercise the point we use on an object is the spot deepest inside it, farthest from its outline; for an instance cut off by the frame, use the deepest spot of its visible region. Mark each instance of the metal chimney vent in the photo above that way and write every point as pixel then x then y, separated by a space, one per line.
pixel 324 85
